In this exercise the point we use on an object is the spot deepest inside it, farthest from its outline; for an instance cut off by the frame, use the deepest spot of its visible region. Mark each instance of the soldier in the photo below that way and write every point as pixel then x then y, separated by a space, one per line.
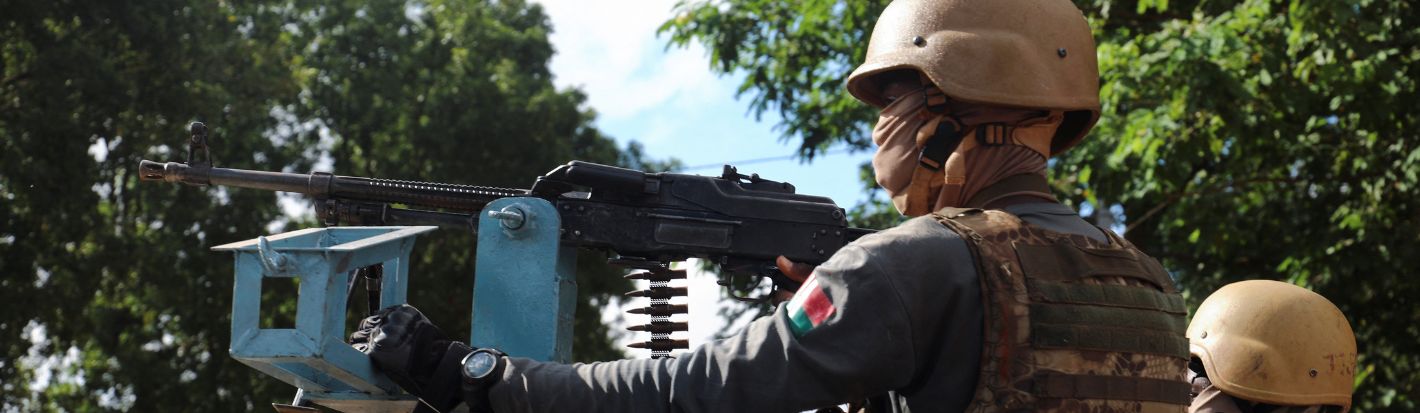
pixel 995 298
pixel 1268 346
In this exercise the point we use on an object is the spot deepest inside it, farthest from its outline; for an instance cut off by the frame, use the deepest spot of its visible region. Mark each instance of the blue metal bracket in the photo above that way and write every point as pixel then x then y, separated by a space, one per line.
pixel 314 355
pixel 525 291
pixel 524 299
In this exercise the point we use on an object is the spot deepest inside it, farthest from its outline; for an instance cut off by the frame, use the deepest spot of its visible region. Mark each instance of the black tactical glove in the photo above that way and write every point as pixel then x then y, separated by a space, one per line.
pixel 414 353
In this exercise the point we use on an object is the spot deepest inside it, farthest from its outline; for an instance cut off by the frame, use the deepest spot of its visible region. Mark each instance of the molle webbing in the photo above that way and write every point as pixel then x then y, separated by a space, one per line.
pixel 1104 317
pixel 1068 318
pixel 1060 386
pixel 1067 262
pixel 1104 295
pixel 1108 339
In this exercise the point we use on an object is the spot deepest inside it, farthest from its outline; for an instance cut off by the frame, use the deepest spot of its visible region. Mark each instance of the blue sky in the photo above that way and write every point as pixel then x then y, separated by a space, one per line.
pixel 670 101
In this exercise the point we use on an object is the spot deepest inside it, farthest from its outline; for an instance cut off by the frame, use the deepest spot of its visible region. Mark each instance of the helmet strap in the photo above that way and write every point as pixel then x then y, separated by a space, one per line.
pixel 927 178
pixel 995 134
pixel 932 97
pixel 945 139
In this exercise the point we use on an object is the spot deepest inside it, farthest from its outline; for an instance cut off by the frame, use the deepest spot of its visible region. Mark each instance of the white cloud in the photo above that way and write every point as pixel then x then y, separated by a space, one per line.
pixel 612 52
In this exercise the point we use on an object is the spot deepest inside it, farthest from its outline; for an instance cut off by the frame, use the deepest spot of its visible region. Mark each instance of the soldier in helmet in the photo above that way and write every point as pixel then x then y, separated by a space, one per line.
pixel 994 298
pixel 1269 346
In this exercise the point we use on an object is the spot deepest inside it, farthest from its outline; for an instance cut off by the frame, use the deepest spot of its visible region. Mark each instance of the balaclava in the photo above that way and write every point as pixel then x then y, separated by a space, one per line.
pixel 995 143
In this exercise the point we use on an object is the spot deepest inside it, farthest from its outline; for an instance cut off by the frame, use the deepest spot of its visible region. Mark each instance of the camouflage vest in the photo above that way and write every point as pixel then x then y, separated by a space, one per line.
pixel 1072 324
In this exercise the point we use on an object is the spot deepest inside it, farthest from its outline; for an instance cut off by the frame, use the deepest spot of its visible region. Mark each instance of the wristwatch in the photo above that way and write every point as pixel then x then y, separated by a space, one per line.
pixel 482 367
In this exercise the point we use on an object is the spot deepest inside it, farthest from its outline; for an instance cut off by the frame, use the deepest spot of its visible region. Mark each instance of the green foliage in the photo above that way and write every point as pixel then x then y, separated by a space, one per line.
pixel 796 56
pixel 1253 139
pixel 107 266
pixel 1267 140
pixel 114 277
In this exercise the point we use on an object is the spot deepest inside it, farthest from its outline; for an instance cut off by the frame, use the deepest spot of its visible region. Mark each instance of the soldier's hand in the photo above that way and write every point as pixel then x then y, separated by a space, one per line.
pixel 797 271
pixel 409 348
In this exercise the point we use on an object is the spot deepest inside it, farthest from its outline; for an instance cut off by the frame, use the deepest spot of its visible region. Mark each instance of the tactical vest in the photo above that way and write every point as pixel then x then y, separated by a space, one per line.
pixel 1072 324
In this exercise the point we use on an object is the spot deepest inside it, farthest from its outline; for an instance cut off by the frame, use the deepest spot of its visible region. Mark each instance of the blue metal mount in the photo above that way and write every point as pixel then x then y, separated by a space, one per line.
pixel 526 288
pixel 524 299
pixel 314 356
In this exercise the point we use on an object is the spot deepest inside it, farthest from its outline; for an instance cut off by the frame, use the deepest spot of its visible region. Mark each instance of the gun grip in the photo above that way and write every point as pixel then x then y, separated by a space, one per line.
pixel 783 282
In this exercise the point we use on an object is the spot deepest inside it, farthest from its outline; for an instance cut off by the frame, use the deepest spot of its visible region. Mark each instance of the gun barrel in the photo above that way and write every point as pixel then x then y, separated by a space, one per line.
pixel 204 175
pixel 323 185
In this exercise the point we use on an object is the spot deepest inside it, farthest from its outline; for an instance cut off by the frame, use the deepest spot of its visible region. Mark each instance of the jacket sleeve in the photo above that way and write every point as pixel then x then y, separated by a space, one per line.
pixel 889 293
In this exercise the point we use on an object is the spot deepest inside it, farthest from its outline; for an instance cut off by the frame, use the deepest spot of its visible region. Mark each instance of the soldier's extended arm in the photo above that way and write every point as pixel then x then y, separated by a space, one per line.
pixel 887 313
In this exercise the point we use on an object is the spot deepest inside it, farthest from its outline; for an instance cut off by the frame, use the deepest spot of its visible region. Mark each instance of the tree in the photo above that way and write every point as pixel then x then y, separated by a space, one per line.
pixel 113 280
pixel 97 267
pixel 1256 139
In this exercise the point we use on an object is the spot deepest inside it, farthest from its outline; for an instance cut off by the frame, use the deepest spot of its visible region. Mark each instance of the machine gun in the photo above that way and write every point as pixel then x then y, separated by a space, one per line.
pixel 647 220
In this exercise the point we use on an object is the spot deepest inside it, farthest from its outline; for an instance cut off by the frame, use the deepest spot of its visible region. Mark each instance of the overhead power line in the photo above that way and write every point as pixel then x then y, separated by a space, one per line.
pixel 719 165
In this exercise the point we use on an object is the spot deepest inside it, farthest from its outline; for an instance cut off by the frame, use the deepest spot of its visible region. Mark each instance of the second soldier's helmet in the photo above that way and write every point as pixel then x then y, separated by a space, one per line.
pixel 1015 53
pixel 1274 342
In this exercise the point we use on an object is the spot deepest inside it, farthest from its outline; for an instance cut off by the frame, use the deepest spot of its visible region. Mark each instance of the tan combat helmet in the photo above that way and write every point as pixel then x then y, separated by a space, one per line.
pixel 1274 342
pixel 1016 53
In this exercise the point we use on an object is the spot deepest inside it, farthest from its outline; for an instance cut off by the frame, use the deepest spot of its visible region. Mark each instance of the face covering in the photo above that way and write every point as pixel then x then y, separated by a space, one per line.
pixel 1009 142
pixel 895 163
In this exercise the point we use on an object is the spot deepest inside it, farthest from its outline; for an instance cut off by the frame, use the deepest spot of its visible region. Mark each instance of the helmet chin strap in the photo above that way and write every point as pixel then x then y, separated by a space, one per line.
pixel 940 177
pixel 939 138
pixel 954 181
pixel 1034 134
pixel 941 174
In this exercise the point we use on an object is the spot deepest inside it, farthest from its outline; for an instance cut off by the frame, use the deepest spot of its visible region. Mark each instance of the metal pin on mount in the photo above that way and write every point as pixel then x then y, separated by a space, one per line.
pixel 271 261
pixel 511 217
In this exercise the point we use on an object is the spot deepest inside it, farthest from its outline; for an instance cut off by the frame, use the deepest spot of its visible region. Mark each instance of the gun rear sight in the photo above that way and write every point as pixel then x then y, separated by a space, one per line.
pixel 754 182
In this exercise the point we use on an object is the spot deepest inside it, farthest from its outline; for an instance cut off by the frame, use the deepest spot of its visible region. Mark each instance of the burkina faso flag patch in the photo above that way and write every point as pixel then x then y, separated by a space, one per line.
pixel 809 308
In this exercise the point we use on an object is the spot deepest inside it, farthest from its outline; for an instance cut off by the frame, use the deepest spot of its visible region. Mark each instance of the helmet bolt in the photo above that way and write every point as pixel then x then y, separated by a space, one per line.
pixel 1312 372
pixel 1061 52
pixel 1204 335
pixel 919 41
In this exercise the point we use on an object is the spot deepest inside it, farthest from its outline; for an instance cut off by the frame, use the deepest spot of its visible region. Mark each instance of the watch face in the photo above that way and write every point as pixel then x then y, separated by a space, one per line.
pixel 479 364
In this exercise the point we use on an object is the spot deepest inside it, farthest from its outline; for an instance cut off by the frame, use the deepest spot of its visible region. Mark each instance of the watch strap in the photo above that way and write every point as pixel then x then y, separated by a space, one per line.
pixel 443 393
